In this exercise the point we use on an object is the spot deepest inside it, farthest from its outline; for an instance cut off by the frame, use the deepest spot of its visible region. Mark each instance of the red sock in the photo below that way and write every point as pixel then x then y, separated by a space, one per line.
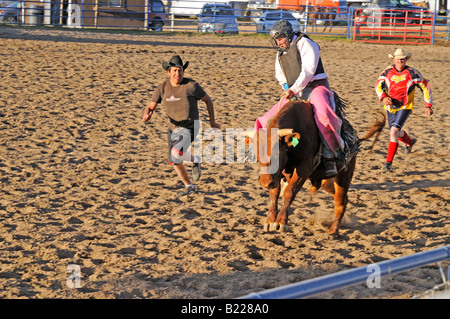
pixel 392 149
pixel 406 139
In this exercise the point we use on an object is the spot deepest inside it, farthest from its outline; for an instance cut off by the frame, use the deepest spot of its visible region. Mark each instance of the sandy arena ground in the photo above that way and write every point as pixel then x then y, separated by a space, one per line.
pixel 84 182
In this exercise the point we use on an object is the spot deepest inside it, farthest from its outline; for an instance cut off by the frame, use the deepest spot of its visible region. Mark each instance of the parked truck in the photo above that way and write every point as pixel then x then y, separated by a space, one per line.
pixel 298 7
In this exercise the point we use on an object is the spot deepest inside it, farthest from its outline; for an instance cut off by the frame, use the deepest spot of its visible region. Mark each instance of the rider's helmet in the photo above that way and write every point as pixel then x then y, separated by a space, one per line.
pixel 281 29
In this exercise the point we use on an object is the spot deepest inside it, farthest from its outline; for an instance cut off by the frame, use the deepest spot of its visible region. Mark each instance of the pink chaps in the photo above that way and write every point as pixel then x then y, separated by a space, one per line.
pixel 319 94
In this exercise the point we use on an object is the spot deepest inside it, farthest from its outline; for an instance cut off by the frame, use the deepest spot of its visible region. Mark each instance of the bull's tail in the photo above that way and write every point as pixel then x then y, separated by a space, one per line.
pixel 348 133
pixel 376 128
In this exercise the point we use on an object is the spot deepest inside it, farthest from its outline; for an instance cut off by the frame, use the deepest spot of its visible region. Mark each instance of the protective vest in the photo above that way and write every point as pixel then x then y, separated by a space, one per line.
pixel 291 62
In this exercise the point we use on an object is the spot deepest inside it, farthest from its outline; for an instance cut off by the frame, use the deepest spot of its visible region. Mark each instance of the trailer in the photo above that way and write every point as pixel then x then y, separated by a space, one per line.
pixel 194 7
pixel 299 4
pixel 299 8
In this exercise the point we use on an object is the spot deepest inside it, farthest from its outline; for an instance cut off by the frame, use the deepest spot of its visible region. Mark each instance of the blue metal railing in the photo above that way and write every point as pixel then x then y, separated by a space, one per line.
pixel 441 28
pixel 353 276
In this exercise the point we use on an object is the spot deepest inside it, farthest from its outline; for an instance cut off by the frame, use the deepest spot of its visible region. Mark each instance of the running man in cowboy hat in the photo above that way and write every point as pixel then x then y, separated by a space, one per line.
pixel 180 95
pixel 395 88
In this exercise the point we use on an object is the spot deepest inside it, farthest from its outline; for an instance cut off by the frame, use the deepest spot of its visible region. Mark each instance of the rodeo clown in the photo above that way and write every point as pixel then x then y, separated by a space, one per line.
pixel 395 88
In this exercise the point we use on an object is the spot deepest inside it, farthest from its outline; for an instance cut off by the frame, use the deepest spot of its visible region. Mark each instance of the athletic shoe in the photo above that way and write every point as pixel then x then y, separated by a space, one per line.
pixel 409 147
pixel 188 190
pixel 196 172
pixel 387 167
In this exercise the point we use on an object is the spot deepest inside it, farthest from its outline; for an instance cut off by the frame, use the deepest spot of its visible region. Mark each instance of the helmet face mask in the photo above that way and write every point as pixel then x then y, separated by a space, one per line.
pixel 281 29
pixel 275 45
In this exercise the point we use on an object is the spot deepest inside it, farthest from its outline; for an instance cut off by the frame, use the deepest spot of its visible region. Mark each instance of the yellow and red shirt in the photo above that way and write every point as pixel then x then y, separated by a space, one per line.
pixel 399 86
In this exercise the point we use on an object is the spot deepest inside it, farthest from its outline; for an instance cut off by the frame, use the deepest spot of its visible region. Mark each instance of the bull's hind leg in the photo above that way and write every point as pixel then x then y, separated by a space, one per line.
pixel 272 214
pixel 340 204
pixel 341 185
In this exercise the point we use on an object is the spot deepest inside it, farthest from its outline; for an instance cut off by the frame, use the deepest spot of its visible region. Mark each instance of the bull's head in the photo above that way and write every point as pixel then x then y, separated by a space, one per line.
pixel 271 148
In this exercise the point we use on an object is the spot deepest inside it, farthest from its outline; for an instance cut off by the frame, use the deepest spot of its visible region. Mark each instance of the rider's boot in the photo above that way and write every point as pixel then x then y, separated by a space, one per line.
pixel 330 167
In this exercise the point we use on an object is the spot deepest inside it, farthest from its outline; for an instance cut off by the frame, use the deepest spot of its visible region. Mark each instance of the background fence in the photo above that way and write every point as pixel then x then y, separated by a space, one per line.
pixel 357 23
pixel 393 26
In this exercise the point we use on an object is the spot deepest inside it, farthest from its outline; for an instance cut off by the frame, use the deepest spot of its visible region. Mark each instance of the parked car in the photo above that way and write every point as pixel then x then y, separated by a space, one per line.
pixel 217 18
pixel 390 9
pixel 10 14
pixel 268 18
pixel 4 3
pixel 156 15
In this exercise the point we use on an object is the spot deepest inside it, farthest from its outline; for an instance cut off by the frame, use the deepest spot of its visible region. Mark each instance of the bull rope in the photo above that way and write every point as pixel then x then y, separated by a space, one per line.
pixel 279 104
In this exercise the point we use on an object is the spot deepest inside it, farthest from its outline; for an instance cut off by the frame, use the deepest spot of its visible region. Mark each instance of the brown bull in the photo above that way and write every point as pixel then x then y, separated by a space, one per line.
pixel 292 155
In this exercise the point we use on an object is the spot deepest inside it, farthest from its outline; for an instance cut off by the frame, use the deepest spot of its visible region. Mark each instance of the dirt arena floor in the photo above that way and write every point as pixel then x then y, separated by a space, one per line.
pixel 85 182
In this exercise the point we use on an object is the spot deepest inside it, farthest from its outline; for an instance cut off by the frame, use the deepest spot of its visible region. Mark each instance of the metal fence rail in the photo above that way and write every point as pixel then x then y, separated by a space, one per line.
pixel 393 26
pixel 441 26
pixel 353 276
pixel 175 15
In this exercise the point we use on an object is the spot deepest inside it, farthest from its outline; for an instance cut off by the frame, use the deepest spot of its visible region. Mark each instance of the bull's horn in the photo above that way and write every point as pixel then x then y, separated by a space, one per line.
pixel 285 131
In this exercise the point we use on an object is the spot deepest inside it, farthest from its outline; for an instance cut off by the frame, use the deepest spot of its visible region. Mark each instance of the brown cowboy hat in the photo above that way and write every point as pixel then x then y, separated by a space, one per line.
pixel 400 54
pixel 175 61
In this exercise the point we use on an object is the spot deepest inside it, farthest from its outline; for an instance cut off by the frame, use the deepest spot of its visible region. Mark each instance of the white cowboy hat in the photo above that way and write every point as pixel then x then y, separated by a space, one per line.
pixel 400 54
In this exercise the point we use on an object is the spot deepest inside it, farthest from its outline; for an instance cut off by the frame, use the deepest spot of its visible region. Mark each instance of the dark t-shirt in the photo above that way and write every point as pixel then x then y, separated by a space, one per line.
pixel 180 102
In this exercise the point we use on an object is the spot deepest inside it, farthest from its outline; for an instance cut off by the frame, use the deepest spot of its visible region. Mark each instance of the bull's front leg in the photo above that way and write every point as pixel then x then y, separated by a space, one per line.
pixel 341 185
pixel 291 190
pixel 273 210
